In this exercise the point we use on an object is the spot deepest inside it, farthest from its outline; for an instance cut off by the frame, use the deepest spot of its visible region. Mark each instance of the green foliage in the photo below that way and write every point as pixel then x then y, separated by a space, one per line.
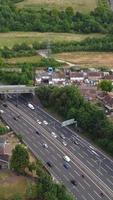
pixel 44 20
pixel 68 102
pixel 19 159
pixel 106 85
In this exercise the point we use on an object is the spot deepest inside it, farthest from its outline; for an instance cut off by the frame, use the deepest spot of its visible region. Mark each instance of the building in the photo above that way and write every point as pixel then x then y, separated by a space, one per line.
pixel 109 77
pixel 107 100
pixel 58 78
pixel 94 77
pixel 77 76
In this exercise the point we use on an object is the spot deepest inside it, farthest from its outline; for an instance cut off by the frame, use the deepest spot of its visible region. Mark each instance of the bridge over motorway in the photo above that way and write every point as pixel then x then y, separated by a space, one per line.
pixel 16 89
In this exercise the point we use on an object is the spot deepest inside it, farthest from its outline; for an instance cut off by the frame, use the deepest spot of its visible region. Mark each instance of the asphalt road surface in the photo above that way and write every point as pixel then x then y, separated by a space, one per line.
pixel 85 159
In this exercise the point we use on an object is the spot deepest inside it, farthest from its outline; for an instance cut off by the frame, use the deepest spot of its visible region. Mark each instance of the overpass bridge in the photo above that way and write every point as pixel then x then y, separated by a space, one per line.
pixel 16 89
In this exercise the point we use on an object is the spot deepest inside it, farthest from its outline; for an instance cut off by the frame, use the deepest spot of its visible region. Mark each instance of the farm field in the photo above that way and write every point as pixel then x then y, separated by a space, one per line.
pixel 24 59
pixel 11 38
pixel 78 5
pixel 88 59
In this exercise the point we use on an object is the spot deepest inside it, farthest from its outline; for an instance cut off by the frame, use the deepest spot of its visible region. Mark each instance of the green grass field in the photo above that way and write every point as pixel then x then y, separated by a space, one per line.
pixel 27 59
pixel 11 184
pixel 11 38
pixel 78 5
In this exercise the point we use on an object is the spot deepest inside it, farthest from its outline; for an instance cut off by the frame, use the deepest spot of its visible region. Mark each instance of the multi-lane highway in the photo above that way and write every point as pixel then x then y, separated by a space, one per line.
pixel 85 159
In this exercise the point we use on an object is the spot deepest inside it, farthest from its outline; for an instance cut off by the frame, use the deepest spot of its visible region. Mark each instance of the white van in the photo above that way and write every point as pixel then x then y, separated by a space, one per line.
pixel 66 158
pixel 31 106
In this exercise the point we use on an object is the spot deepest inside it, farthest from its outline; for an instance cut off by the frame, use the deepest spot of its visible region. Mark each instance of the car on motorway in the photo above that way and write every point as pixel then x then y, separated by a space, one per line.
pixel 64 143
pixel 62 136
pixel 73 182
pixel 75 142
pixel 31 106
pixel 49 164
pixel 14 118
pixel 65 165
pixel 39 122
pixel 54 134
pixel 1 111
pixel 67 159
pixel 5 105
pixel 45 145
pixel 8 127
pixel 45 122
pixel 37 133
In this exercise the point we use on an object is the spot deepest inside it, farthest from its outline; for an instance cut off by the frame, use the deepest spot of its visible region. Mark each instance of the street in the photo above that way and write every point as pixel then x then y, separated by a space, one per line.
pixel 85 159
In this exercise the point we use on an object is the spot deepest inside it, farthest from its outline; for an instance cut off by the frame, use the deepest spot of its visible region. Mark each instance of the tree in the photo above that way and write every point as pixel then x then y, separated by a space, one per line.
pixel 19 159
pixel 106 85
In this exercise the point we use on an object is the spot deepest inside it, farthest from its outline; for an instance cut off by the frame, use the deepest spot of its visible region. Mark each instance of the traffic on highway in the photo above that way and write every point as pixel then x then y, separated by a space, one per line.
pixel 86 171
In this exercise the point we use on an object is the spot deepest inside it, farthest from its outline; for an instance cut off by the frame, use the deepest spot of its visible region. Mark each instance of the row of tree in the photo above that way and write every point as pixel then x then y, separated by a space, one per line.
pixel 88 44
pixel 68 102
pixel 44 20
pixel 45 188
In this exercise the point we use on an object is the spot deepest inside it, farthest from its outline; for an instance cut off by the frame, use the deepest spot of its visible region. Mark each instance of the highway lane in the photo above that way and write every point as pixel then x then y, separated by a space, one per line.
pixel 86 193
pixel 83 151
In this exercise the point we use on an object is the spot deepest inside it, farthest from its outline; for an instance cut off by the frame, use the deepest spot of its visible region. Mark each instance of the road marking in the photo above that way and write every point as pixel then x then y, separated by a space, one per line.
pixel 76 173
pixel 104 170
pixel 66 177
pixel 71 175
pixel 82 186
pixel 85 153
pixel 108 167
pixel 81 155
pixel 96 193
pixel 87 183
pixel 89 163
pixel 57 168
pixel 59 155
pixel 83 197
pixel 109 181
pixel 91 196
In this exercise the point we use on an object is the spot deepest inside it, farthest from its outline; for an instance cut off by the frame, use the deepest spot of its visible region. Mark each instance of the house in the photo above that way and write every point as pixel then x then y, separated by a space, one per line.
pixel 77 76
pixel 94 77
pixel 89 92
pixel 42 77
pixel 109 77
pixel 107 100
pixel 4 158
pixel 58 78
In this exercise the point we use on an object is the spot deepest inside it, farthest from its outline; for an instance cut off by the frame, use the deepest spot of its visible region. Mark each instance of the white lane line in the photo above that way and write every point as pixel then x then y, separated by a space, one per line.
pixel 76 173
pixel 104 170
pixel 99 172
pixel 52 148
pixel 59 155
pixel 82 186
pixel 91 196
pixel 89 163
pixel 87 183
pixel 85 153
pixel 57 168
pixel 80 155
pixel 66 177
pixel 96 193
pixel 71 175
pixel 109 181
pixel 109 167
pixel 83 197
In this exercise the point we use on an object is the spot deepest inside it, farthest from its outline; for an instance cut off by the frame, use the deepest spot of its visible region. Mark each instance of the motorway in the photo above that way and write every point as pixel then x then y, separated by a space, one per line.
pixel 85 159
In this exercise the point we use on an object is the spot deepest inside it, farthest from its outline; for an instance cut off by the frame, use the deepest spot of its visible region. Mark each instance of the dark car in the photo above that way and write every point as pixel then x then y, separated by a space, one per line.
pixel 5 105
pixel 37 133
pixel 14 118
pixel 74 182
pixel 65 165
pixel 49 164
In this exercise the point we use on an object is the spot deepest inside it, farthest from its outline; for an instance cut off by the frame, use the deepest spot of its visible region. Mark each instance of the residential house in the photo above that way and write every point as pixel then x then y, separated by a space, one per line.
pixel 77 77
pixel 94 77
pixel 58 78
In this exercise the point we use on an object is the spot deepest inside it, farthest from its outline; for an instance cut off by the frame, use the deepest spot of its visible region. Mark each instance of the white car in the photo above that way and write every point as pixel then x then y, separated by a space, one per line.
pixel 8 127
pixel 64 143
pixel 45 145
pixel 31 106
pixel 1 111
pixel 67 159
pixel 45 122
pixel 39 122
pixel 54 134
